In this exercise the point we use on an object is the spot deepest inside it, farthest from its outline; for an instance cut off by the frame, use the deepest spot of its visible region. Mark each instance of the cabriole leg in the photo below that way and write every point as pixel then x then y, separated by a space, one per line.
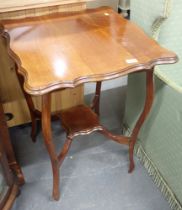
pixel 47 134
pixel 30 105
pixel 144 114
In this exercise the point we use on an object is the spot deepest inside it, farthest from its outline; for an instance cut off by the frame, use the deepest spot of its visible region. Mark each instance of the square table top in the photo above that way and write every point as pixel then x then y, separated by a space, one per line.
pixel 60 51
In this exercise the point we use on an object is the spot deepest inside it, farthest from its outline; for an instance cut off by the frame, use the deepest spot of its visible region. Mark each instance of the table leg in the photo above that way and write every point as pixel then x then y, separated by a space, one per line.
pixel 64 150
pixel 46 129
pixel 144 114
pixel 30 105
pixel 96 100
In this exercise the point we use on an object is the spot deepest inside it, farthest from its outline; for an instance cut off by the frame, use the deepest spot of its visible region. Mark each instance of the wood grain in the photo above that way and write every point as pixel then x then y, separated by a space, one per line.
pixel 13 193
pixel 39 10
pixel 16 5
pixel 47 133
pixel 65 51
pixel 146 110
pixel 10 92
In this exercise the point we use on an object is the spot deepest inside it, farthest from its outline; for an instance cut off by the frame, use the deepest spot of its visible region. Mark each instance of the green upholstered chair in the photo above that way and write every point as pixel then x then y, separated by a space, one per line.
pixel 159 145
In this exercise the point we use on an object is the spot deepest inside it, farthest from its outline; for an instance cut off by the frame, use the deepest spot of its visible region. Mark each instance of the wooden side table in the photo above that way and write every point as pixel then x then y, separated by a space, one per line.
pixel 63 51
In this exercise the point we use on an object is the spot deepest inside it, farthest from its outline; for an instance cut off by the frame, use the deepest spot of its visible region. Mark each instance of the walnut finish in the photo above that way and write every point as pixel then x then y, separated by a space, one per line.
pixel 148 104
pixel 11 94
pixel 63 51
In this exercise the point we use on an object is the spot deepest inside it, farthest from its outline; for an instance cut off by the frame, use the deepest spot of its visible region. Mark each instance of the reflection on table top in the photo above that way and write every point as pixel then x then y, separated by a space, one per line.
pixel 63 51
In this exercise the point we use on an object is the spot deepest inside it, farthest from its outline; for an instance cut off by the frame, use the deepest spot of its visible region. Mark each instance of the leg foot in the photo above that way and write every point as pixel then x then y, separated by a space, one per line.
pixel 56 191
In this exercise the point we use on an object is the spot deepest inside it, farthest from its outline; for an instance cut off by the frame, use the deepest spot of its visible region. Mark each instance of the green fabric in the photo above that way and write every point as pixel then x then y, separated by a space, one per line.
pixel 171 75
pixel 171 37
pixel 135 99
pixel 158 179
pixel 163 23
pixel 150 14
pixel 160 137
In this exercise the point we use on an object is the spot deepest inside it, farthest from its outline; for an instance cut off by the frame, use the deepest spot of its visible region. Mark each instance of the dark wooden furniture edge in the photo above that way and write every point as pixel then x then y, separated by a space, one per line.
pixel 56 161
pixel 80 80
pixel 8 148
pixel 11 189
pixel 13 192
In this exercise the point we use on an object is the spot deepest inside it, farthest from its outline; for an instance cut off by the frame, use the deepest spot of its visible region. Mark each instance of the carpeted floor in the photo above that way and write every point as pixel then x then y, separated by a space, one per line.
pixel 93 176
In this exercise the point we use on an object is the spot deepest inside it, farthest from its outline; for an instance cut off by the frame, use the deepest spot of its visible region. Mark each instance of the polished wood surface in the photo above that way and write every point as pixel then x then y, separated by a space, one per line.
pixel 81 120
pixel 47 133
pixel 10 199
pixel 64 51
pixel 10 92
